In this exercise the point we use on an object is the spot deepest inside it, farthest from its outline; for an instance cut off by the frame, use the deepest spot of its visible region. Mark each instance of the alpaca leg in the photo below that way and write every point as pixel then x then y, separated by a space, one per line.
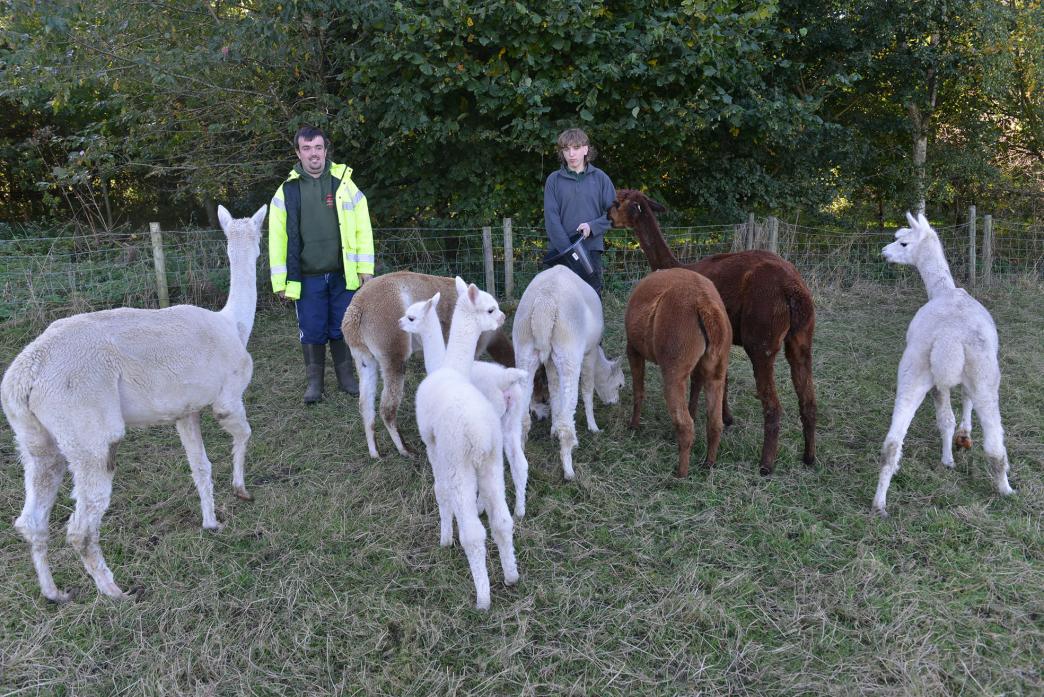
pixel 715 390
pixel 491 486
pixel 587 373
pixel 472 534
pixel 231 416
pixel 963 438
pixel 444 499
pixel 726 415
pixel 798 351
pixel 674 384
pixel 391 397
pixel 44 469
pixel 192 440
pixel 637 363
pixel 993 443
pixel 695 386
pixel 529 362
pixel 765 379
pixel 945 422
pixel 516 456
pixel 554 392
pixel 366 368
pixel 564 421
pixel 92 489
pixel 909 396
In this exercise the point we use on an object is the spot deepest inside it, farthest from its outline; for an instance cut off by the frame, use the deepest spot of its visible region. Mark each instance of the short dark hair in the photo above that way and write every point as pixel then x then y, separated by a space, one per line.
pixel 309 133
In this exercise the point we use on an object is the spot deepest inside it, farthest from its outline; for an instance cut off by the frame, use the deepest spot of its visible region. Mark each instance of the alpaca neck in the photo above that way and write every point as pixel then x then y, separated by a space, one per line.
pixel 463 338
pixel 242 292
pixel 431 341
pixel 652 241
pixel 935 272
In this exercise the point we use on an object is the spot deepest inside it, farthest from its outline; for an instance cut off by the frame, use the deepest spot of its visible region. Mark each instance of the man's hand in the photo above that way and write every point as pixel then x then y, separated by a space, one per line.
pixel 364 277
pixel 584 229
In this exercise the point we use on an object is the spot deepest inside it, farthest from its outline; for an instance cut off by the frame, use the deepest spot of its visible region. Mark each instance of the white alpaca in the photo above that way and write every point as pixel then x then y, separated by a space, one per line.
pixel 464 442
pixel 559 323
pixel 71 394
pixel 951 341
pixel 501 386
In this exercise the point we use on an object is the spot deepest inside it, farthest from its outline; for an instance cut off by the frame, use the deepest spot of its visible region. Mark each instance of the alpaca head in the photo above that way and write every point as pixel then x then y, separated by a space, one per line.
pixel 911 241
pixel 478 305
pixel 413 321
pixel 243 232
pixel 631 207
pixel 609 378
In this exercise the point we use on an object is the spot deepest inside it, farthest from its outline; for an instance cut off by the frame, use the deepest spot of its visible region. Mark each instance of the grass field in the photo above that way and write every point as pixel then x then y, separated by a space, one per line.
pixel 332 581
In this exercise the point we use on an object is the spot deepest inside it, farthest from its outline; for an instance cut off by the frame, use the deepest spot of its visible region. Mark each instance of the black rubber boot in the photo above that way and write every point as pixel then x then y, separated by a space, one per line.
pixel 315 364
pixel 344 366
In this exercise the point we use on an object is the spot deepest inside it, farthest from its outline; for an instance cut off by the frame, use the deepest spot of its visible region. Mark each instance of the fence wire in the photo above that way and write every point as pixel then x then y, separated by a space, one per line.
pixel 45 278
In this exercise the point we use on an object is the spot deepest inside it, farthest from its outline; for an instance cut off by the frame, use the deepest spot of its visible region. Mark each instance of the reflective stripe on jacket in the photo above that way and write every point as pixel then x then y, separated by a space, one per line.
pixel 284 232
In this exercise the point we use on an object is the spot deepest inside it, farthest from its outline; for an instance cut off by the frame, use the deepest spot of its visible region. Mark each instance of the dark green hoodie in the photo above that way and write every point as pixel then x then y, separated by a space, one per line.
pixel 320 234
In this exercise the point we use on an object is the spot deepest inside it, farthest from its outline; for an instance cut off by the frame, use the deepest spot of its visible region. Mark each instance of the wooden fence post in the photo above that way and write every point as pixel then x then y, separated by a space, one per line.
pixel 750 242
pixel 773 226
pixel 971 246
pixel 159 262
pixel 487 258
pixel 987 250
pixel 509 261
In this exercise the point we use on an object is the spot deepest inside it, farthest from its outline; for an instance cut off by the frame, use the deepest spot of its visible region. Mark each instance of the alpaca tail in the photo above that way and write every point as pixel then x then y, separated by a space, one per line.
pixel 802 309
pixel 351 325
pixel 14 395
pixel 542 326
pixel 946 360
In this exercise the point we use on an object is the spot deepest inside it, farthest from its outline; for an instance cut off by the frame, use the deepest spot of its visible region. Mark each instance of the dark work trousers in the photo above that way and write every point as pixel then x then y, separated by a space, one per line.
pixel 320 310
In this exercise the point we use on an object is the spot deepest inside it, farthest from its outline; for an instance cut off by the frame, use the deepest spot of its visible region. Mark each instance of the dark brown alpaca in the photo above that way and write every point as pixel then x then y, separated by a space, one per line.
pixel 768 304
pixel 675 318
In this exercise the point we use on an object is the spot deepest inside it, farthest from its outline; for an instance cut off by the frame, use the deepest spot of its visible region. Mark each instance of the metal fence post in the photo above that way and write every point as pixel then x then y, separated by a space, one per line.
pixel 971 246
pixel 159 262
pixel 487 258
pixel 509 261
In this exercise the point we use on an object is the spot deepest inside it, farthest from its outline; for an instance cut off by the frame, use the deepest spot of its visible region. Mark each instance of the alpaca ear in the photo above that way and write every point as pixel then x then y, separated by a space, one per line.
pixel 922 220
pixel 224 217
pixel 657 207
pixel 435 299
pixel 462 287
pixel 910 219
pixel 259 217
pixel 473 294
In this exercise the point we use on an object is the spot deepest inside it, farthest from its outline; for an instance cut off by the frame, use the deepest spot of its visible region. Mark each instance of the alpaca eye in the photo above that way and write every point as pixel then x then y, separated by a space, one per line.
pixel 903 244
pixel 490 311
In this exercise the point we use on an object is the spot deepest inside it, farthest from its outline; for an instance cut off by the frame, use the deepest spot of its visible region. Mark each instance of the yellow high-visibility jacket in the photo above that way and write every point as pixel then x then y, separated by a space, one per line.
pixel 284 232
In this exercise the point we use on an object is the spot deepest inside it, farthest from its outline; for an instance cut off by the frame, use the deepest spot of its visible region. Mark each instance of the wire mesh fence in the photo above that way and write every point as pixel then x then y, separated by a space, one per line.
pixel 43 278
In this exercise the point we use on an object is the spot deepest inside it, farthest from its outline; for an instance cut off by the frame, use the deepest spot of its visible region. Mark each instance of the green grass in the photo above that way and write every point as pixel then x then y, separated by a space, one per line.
pixel 332 581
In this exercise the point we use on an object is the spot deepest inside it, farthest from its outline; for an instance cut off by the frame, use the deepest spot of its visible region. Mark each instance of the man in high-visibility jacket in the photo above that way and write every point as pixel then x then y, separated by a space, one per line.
pixel 320 250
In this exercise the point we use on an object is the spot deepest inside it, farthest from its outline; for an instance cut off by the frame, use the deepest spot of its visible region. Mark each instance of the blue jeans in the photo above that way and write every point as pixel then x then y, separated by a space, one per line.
pixel 321 307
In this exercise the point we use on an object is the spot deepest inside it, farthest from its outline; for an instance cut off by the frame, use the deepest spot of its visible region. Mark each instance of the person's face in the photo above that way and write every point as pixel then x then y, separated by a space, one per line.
pixel 312 154
pixel 574 156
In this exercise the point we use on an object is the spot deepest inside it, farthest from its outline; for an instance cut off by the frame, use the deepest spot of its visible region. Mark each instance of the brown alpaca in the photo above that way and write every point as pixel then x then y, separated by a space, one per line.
pixel 675 318
pixel 768 304
pixel 371 329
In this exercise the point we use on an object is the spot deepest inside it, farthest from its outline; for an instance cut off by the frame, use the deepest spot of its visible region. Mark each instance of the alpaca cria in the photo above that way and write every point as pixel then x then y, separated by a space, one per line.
pixel 371 329
pixel 501 386
pixel 558 323
pixel 769 307
pixel 463 439
pixel 951 341
pixel 675 318
pixel 71 394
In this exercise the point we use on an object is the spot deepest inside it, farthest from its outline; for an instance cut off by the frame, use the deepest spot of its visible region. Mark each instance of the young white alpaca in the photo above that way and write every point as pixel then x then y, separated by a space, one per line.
pixel 371 329
pixel 951 341
pixel 559 323
pixel 71 394
pixel 501 386
pixel 464 442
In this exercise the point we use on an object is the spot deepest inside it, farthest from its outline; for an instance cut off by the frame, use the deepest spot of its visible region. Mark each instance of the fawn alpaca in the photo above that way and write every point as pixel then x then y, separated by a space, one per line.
pixel 71 394
pixel 951 341
pixel 501 386
pixel 464 442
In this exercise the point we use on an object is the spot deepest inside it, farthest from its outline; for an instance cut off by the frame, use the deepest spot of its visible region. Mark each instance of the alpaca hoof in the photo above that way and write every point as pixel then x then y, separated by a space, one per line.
pixel 879 512
pixel 243 494
pixel 216 527
pixel 511 580
pixel 594 429
pixel 62 597
pixel 809 460
pixel 1006 491
pixel 963 441
pixel 949 465
pixel 482 606
pixel 766 470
